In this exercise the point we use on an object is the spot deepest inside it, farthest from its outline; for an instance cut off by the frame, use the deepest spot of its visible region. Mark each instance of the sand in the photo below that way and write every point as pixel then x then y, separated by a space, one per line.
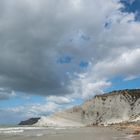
pixel 87 133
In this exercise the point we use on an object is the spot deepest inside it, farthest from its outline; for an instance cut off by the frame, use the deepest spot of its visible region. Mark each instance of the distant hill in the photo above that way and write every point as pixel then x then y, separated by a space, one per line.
pixel 30 121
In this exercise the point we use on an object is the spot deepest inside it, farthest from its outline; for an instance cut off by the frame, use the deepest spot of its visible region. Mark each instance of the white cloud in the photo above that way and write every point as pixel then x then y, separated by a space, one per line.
pixel 97 77
pixel 125 64
pixel 87 87
pixel 59 99
pixel 131 77
pixel 23 112
pixel 20 113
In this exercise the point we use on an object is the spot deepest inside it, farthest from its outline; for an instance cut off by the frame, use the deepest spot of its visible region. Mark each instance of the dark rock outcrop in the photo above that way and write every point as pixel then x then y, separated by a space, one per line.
pixel 30 121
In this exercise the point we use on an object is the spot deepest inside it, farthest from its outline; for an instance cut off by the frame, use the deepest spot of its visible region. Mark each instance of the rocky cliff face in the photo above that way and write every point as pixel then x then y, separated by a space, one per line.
pixel 115 107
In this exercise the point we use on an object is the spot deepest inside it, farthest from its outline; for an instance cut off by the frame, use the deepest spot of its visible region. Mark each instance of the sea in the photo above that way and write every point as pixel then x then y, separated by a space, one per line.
pixel 29 130
pixel 64 133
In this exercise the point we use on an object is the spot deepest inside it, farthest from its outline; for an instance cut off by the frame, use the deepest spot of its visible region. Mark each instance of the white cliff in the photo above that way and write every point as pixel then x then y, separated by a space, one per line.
pixel 116 107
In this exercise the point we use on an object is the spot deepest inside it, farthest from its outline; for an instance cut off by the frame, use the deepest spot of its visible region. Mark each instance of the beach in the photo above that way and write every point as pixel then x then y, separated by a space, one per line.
pixel 82 133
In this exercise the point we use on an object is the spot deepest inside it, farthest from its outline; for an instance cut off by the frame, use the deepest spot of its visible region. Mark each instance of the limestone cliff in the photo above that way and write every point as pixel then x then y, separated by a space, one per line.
pixel 114 107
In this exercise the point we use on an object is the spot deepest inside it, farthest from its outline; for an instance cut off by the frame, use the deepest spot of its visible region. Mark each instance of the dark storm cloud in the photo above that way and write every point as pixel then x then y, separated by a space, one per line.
pixel 6 94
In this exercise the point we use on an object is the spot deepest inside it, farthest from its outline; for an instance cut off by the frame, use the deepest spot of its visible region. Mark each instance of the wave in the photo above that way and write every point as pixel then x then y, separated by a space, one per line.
pixel 17 130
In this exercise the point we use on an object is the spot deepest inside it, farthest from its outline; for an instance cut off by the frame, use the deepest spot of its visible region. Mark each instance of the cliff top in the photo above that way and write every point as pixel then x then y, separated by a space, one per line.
pixel 117 92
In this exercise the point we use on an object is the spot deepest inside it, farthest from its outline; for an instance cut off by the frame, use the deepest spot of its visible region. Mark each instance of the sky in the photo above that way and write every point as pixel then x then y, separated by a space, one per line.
pixel 55 54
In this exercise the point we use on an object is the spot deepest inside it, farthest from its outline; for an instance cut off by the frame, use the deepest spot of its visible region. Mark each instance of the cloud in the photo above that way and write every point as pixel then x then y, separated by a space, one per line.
pixel 59 99
pixel 27 111
pixel 97 78
pixel 126 65
pixel 44 43
pixel 86 87
pixel 131 77
pixel 6 94
pixel 35 34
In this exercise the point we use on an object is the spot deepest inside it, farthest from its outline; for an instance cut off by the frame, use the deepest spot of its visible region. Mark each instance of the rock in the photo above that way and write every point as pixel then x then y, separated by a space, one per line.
pixel 30 121
pixel 114 107
pixel 122 106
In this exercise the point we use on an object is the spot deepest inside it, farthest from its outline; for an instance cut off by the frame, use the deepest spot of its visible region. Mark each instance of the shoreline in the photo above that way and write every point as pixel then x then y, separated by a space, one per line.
pixel 82 133
pixel 134 128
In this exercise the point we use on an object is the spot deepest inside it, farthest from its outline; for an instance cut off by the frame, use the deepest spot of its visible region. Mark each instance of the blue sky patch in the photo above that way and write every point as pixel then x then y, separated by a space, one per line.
pixel 119 83
pixel 83 64
pixel 13 102
pixel 132 6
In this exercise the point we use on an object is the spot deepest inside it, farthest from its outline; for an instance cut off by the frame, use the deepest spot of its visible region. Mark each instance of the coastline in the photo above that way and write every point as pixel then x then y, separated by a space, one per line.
pixel 81 133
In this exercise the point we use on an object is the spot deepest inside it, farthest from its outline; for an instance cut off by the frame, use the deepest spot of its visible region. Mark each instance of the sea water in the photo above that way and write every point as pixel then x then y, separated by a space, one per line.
pixel 28 130
pixel 63 133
